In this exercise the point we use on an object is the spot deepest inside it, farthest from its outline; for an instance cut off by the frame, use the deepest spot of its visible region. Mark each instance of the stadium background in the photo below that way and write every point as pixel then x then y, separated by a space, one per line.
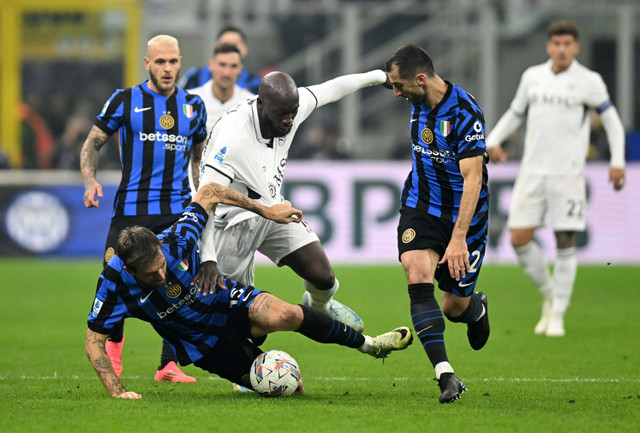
pixel 63 59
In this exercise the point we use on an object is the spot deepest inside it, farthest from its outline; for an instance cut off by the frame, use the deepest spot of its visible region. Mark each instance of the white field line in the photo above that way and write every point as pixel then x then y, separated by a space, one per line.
pixel 374 379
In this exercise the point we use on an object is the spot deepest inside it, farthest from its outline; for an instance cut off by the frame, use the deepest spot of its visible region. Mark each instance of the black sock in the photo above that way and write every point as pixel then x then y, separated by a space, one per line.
pixel 428 321
pixel 473 311
pixel 117 333
pixel 167 355
pixel 324 329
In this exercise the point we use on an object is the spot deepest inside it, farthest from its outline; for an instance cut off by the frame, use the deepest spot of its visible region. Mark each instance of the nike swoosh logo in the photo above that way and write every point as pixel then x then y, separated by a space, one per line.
pixel 137 110
pixel 143 300
pixel 465 284
pixel 413 120
pixel 425 329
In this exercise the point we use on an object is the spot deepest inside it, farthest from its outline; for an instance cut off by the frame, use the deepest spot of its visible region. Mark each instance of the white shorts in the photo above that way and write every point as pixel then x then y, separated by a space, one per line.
pixel 563 196
pixel 237 245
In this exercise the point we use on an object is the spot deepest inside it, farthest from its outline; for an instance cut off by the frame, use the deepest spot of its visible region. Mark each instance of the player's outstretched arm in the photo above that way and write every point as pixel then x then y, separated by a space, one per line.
pixel 89 165
pixel 97 354
pixel 211 194
pixel 338 88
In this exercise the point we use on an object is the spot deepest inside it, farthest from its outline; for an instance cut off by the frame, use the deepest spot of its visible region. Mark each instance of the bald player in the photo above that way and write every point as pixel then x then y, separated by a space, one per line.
pixel 247 151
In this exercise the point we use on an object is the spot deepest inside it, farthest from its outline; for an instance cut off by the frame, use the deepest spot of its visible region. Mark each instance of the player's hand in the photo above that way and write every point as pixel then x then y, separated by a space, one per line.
pixel 496 154
pixel 300 389
pixel 616 175
pixel 129 395
pixel 284 213
pixel 92 189
pixel 457 258
pixel 207 277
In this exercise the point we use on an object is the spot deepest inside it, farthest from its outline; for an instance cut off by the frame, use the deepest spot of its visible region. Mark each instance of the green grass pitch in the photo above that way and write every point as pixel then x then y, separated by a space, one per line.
pixel 588 381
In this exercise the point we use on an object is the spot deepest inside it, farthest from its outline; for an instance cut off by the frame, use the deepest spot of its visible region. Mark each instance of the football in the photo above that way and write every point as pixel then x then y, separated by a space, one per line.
pixel 275 374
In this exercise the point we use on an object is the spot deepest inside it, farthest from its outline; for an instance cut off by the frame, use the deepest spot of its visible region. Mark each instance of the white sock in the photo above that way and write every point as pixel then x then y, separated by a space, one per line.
pixel 534 264
pixel 367 346
pixel 564 276
pixel 443 367
pixel 320 298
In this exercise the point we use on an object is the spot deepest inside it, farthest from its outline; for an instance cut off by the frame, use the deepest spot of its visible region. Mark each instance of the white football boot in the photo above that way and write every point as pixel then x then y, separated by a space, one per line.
pixel 337 311
pixel 556 325
pixel 543 323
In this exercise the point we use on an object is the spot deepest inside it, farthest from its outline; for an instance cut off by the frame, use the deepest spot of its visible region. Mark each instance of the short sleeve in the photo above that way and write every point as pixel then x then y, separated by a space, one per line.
pixel 110 118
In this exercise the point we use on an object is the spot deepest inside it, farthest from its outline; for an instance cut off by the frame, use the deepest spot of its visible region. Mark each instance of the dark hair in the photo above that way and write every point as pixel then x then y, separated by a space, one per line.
pixel 411 60
pixel 225 48
pixel 562 27
pixel 234 29
pixel 137 247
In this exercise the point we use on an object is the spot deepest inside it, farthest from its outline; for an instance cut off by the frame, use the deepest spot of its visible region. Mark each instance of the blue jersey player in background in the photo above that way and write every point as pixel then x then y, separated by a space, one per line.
pixel 443 225
pixel 150 278
pixel 197 76
pixel 162 129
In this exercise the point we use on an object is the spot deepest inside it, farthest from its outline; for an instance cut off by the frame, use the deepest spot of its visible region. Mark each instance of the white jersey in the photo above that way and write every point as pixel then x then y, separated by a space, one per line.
pixel 238 156
pixel 557 112
pixel 215 107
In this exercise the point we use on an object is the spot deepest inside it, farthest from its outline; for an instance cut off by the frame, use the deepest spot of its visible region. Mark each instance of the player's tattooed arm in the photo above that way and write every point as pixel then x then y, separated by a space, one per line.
pixel 97 354
pixel 196 158
pixel 89 165
pixel 211 194
pixel 89 154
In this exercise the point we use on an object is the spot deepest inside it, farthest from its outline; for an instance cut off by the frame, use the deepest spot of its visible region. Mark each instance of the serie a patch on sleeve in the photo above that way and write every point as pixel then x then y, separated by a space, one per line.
pixel 97 305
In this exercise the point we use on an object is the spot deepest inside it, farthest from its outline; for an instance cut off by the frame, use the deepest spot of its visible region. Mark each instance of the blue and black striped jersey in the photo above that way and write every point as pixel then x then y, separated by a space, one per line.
pixel 440 138
pixel 156 135
pixel 189 322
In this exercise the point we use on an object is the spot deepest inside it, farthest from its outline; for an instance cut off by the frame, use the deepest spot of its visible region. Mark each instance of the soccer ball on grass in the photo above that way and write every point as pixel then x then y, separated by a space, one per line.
pixel 275 374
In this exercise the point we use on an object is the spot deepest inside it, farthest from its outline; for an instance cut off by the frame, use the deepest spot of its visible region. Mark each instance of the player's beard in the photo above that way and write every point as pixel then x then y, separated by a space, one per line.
pixel 275 131
pixel 161 86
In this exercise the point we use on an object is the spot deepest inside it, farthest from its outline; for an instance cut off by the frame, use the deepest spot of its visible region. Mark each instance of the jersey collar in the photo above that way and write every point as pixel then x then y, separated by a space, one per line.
pixel 256 125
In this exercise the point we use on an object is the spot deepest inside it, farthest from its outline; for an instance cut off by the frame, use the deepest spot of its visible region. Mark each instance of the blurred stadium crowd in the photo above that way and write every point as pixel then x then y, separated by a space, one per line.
pixel 71 60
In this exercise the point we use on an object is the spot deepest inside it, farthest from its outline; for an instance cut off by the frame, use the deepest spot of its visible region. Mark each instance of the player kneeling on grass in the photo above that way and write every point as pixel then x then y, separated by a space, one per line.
pixel 150 278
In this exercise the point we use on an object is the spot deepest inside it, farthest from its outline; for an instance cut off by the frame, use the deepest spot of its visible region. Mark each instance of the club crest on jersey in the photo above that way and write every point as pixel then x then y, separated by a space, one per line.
pixel 187 110
pixel 427 135
pixel 408 236
pixel 109 254
pixel 445 127
pixel 174 291
pixel 167 121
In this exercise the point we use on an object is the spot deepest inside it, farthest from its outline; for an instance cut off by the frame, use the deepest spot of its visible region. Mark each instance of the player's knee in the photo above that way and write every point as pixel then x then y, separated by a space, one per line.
pixel 520 239
pixel 324 279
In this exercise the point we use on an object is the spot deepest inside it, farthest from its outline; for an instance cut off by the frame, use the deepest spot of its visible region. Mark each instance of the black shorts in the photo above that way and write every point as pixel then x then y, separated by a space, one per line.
pixel 417 230
pixel 233 354
pixel 155 223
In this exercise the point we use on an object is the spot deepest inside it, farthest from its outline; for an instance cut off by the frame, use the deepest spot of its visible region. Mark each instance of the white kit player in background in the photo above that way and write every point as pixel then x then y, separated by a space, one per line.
pixel 556 97
pixel 221 93
pixel 247 150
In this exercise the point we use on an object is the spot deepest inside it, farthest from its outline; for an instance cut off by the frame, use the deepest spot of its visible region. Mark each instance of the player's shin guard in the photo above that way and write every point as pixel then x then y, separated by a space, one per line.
pixel 428 321
pixel 323 329
pixel 564 277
